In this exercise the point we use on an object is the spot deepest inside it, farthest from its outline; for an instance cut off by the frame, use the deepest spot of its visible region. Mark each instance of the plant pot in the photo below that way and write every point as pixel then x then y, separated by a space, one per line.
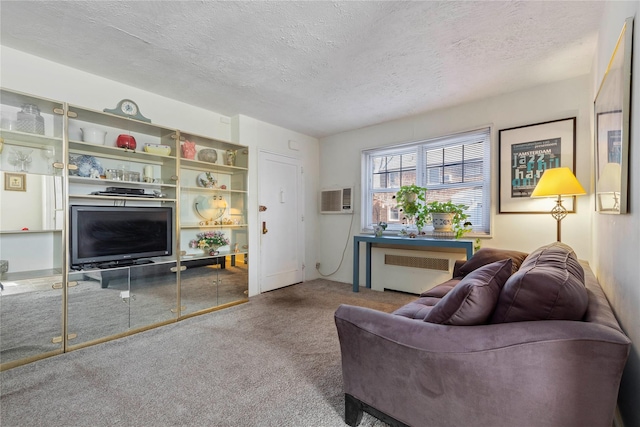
pixel 442 222
pixel 412 197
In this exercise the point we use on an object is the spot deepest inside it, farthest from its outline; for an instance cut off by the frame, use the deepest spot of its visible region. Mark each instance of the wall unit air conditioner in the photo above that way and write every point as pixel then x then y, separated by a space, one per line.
pixel 336 201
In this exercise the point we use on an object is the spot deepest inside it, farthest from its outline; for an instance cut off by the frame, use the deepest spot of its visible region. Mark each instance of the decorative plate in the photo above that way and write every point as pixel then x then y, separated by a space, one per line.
pixel 209 207
pixel 207 180
pixel 86 164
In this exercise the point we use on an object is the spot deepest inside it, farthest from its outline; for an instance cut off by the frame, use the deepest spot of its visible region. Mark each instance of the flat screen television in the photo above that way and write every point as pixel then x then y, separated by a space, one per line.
pixel 119 235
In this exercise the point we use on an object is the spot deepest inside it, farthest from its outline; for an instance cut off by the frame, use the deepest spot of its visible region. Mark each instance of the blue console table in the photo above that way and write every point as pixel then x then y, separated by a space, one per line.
pixel 370 239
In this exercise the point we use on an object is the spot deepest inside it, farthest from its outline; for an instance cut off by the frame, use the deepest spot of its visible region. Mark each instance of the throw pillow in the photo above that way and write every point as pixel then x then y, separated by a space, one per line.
pixel 441 290
pixel 486 256
pixel 548 286
pixel 472 301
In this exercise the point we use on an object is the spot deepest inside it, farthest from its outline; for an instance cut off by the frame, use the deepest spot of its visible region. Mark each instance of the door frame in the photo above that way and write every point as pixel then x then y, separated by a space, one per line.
pixel 301 205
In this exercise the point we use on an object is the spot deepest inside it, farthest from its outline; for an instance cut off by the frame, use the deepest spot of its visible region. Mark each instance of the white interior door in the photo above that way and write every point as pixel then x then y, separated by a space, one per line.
pixel 281 235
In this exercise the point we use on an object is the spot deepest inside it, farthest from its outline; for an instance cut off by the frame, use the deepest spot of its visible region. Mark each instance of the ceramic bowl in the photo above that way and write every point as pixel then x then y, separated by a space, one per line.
pixel 163 150
pixel 93 135
pixel 209 155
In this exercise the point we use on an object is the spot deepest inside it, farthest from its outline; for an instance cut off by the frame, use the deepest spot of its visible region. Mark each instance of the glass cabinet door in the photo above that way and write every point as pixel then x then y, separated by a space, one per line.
pixel 154 294
pixel 98 304
pixel 31 224
pixel 115 301
pixel 213 229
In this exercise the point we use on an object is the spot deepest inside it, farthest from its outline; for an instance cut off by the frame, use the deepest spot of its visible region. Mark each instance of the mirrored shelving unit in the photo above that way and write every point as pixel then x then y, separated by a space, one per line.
pixel 68 282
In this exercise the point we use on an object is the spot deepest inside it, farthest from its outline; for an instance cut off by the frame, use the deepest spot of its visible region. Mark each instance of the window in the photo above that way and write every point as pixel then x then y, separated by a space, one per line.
pixel 452 168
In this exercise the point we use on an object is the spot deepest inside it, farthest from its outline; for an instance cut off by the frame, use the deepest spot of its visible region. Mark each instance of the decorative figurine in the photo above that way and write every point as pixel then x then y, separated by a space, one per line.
pixel 189 150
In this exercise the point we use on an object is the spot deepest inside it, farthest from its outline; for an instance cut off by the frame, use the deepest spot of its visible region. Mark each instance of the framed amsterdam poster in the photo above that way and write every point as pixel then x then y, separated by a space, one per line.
pixel 524 154
pixel 611 112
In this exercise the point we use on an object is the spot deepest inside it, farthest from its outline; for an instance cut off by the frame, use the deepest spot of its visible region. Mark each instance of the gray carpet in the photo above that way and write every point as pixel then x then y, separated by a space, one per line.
pixel 274 361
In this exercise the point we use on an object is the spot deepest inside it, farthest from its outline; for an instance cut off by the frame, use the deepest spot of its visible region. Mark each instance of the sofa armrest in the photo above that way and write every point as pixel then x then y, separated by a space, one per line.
pixel 456 267
pixel 559 373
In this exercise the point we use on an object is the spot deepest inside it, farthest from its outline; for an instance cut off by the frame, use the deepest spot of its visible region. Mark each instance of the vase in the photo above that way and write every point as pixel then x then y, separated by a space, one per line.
pixel 188 150
pixel 212 250
pixel 230 157
pixel 442 222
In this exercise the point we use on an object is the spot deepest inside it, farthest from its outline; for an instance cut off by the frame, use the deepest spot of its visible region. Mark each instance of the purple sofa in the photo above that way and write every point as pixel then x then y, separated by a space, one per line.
pixel 513 340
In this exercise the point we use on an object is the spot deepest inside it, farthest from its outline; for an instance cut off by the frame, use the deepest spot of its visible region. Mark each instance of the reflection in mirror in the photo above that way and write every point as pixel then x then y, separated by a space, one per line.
pixel 40 204
pixel 30 317
pixel 609 188
pixel 611 108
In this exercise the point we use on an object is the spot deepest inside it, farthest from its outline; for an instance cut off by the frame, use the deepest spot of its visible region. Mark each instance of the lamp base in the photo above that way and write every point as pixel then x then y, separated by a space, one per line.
pixel 558 213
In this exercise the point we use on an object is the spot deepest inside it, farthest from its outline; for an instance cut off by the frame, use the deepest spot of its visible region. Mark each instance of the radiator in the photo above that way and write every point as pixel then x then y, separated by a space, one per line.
pixel 410 270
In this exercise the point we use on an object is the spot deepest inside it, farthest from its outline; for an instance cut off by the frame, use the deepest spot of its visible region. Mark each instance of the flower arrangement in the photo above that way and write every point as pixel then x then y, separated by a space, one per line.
pixel 209 239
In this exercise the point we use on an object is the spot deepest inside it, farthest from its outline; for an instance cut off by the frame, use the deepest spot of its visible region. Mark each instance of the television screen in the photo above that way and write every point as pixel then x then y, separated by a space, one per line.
pixel 119 234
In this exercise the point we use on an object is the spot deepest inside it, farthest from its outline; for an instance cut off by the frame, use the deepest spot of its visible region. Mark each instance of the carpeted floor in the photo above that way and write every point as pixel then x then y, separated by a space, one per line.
pixel 274 361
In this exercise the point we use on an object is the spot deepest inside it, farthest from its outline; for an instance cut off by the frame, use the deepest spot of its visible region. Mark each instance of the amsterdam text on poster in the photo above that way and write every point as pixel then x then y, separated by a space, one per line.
pixel 529 161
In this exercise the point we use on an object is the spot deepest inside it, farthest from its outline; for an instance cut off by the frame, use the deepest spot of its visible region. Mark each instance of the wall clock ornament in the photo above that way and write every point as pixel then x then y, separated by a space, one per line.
pixel 127 108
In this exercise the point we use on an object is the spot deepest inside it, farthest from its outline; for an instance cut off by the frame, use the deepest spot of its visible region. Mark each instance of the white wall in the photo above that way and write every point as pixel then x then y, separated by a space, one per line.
pixel 264 136
pixel 26 73
pixel 31 74
pixel 341 157
pixel 616 238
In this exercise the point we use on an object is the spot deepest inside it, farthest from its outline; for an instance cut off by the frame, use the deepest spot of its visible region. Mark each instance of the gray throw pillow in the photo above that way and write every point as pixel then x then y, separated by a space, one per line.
pixel 548 286
pixel 472 301
pixel 486 256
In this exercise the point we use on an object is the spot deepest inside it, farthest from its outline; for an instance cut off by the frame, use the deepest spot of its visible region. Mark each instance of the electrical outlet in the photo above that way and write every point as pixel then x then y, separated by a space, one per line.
pixel 317 265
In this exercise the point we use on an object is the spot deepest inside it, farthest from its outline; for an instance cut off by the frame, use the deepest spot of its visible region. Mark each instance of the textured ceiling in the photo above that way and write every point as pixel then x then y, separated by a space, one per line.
pixel 318 68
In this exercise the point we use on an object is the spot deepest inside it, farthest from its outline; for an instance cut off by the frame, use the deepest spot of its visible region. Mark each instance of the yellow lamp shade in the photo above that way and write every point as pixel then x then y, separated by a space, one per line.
pixel 556 182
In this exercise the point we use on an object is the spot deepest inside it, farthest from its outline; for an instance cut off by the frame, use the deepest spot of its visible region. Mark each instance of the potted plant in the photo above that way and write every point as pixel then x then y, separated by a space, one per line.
pixel 410 200
pixel 448 217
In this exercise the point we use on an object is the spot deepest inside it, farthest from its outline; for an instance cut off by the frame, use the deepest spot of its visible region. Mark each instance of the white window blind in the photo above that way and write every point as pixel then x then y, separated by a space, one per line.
pixel 453 168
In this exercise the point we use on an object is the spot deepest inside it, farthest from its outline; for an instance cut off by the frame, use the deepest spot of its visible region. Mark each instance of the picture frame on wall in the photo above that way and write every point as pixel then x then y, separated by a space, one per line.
pixel 15 181
pixel 524 153
pixel 611 133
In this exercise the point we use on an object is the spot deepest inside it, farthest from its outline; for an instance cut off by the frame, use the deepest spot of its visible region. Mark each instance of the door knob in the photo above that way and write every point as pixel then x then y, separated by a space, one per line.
pixel 264 227
pixel 262 208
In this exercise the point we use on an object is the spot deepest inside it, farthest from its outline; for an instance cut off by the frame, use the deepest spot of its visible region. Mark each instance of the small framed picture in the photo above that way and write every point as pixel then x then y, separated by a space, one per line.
pixel 15 181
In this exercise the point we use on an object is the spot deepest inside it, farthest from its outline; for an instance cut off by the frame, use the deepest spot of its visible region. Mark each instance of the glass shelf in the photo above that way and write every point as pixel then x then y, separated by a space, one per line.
pixel 201 166
pixel 111 182
pixel 31 140
pixel 79 147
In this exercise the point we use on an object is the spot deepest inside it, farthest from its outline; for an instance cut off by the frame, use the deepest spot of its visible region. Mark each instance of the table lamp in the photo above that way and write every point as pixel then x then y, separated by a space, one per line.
pixel 558 182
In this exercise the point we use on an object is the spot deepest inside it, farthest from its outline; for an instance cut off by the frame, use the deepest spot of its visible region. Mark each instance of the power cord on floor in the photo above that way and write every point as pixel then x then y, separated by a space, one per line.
pixel 346 243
